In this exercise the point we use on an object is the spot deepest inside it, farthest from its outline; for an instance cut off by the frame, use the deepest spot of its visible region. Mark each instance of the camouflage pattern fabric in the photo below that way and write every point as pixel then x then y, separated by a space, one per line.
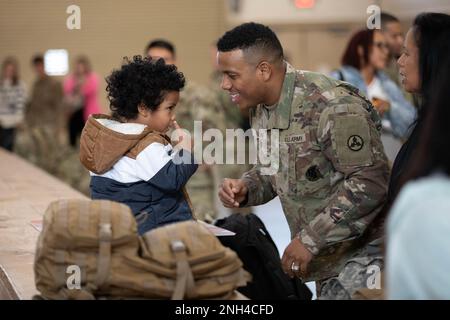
pixel 45 106
pixel 41 140
pixel 361 274
pixel 331 173
pixel 43 147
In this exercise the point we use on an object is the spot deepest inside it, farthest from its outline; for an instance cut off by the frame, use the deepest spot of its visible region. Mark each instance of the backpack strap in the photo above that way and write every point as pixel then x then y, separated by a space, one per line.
pixel 104 237
pixel 185 280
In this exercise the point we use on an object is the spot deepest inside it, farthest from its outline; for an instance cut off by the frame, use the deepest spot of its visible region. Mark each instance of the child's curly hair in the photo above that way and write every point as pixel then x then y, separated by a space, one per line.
pixel 141 81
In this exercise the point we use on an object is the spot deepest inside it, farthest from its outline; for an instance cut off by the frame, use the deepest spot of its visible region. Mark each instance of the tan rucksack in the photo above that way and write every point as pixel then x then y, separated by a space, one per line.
pixel 97 241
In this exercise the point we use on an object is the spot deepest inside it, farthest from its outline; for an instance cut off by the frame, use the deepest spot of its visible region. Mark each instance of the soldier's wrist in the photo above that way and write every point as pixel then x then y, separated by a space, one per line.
pixel 308 243
pixel 244 202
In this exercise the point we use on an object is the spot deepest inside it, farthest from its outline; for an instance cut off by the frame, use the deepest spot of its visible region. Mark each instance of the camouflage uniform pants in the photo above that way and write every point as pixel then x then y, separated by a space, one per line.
pixel 362 272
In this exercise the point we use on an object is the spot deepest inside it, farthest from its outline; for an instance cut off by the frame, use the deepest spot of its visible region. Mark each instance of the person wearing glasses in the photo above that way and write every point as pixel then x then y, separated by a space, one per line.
pixel 364 59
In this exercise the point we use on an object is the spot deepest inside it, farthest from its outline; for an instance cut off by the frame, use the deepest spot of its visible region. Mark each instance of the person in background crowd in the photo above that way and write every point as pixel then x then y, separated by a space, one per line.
pixel 13 96
pixel 40 140
pixel 44 105
pixel 362 65
pixel 393 32
pixel 81 90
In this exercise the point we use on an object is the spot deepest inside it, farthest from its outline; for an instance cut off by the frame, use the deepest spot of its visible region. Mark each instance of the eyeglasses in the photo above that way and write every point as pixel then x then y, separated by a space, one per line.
pixel 381 45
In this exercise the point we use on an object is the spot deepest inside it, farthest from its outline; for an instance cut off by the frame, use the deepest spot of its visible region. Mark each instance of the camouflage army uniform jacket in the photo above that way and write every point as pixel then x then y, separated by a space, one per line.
pixel 331 173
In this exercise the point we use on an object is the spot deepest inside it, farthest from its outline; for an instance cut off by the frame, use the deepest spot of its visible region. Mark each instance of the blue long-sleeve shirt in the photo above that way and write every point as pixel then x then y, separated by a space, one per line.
pixel 401 114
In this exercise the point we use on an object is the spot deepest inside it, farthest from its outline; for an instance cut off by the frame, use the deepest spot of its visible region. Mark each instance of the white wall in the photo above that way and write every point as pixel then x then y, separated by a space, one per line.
pixel 326 11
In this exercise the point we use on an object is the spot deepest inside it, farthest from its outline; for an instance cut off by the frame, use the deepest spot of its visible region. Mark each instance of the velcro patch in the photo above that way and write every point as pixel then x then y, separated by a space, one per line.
pixel 351 140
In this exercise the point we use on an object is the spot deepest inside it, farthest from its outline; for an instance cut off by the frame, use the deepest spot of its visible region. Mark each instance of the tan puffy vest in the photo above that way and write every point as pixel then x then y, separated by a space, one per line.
pixel 90 249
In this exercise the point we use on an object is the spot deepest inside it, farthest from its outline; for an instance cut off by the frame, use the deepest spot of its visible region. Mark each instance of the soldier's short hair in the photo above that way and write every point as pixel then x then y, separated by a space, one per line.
pixel 253 37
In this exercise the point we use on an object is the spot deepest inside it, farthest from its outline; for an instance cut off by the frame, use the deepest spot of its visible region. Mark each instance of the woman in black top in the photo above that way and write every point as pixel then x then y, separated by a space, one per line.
pixel 426 45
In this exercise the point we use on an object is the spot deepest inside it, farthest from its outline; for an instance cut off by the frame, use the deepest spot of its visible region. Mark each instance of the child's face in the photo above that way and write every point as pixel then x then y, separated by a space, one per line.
pixel 163 117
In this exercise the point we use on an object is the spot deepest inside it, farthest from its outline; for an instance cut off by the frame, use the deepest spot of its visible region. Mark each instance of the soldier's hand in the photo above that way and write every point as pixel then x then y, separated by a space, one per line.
pixel 232 192
pixel 296 258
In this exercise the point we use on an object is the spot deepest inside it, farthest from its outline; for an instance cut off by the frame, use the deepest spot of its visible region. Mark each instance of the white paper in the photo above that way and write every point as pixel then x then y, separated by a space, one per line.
pixel 37 224
pixel 217 231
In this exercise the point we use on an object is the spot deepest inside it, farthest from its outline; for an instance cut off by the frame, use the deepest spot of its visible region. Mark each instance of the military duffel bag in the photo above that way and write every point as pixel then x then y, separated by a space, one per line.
pixel 90 249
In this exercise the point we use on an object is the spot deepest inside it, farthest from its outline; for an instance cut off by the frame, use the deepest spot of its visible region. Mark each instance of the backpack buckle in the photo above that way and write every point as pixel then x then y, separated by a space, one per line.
pixel 177 246
pixel 105 232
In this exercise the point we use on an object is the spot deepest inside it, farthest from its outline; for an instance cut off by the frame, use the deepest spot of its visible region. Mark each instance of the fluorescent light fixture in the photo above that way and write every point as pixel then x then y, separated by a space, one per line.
pixel 56 62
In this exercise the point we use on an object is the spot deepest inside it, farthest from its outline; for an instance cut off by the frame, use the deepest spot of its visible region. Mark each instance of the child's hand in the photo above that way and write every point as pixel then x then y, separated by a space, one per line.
pixel 181 138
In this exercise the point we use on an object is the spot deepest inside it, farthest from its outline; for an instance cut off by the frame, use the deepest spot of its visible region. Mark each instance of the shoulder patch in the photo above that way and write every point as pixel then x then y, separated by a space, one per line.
pixel 351 140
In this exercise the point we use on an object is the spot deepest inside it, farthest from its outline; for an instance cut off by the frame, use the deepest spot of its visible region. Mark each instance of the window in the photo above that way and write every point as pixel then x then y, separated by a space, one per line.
pixel 56 62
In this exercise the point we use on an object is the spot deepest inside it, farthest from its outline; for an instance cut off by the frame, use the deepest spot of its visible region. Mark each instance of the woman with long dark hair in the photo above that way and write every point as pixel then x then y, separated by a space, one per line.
pixel 418 248
pixel 421 64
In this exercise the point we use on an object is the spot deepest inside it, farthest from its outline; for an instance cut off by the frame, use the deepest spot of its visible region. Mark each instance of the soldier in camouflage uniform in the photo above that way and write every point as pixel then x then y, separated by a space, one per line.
pixel 197 103
pixel 360 278
pixel 38 139
pixel 41 139
pixel 330 172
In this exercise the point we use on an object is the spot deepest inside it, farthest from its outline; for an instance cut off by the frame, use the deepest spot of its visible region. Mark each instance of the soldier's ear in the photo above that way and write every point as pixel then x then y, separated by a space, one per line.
pixel 264 69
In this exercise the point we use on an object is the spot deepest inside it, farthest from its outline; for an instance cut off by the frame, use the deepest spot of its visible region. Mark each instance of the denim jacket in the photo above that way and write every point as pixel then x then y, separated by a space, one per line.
pixel 401 114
